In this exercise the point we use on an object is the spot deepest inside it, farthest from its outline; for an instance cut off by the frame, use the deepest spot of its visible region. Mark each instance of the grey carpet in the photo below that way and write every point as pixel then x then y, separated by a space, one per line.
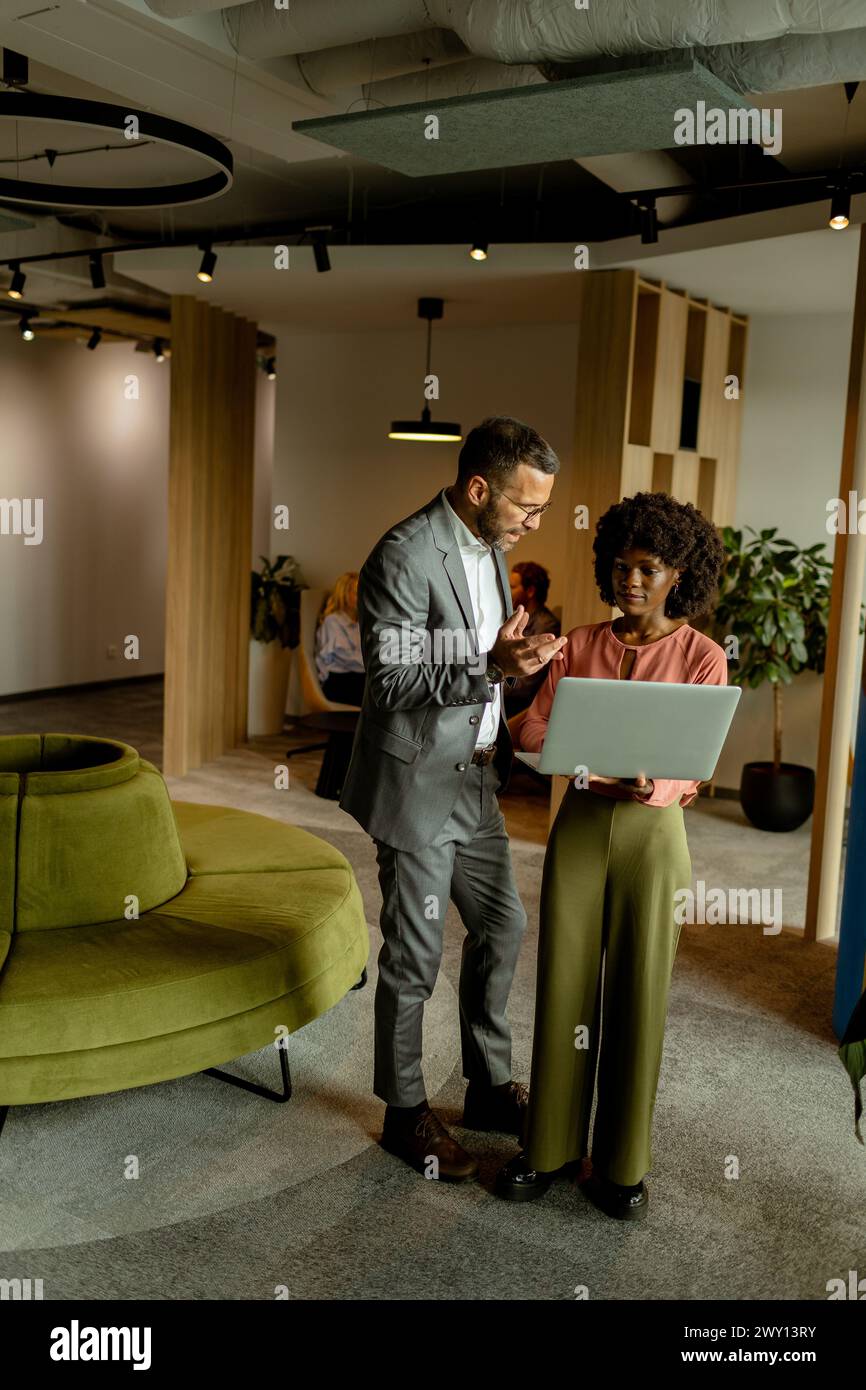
pixel 238 1197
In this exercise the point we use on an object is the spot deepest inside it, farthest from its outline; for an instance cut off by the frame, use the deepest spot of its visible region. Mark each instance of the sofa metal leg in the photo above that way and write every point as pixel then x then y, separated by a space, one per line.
pixel 279 1096
pixel 4 1111
pixel 363 980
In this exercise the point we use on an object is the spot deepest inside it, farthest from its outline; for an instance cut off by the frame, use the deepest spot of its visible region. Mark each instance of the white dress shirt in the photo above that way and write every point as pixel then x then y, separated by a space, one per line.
pixel 488 609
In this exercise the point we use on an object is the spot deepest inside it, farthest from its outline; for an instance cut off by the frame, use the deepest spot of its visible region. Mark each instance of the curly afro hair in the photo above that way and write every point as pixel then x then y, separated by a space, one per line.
pixel 677 533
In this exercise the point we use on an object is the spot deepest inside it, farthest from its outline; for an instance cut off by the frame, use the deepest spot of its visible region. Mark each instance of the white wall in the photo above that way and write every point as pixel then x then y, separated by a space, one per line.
pixel 795 386
pixel 346 483
pixel 99 462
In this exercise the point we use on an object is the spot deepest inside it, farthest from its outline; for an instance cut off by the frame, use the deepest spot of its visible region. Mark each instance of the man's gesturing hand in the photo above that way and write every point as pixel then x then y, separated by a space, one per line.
pixel 523 656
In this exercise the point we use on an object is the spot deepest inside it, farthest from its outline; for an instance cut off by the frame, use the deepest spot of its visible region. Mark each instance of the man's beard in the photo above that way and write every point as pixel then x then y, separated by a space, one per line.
pixel 490 527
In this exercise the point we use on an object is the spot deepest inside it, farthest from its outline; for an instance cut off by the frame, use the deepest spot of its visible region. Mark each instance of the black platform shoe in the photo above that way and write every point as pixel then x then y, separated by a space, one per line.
pixel 622 1203
pixel 517 1182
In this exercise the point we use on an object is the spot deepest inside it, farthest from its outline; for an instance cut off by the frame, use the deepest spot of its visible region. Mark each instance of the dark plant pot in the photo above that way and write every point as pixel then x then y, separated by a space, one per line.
pixel 777 799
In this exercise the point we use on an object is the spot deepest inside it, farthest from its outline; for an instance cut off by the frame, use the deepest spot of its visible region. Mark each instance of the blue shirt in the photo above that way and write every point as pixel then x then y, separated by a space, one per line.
pixel 338 646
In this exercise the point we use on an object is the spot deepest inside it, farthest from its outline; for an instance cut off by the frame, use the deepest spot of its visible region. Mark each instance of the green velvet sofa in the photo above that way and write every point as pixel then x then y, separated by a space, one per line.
pixel 142 940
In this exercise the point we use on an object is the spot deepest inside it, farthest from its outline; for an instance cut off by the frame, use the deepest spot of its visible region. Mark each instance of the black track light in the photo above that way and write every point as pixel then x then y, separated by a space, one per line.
pixel 16 289
pixel 26 330
pixel 159 349
pixel 649 222
pixel 271 368
pixel 840 207
pixel 97 272
pixel 208 265
pixel 478 250
pixel 95 339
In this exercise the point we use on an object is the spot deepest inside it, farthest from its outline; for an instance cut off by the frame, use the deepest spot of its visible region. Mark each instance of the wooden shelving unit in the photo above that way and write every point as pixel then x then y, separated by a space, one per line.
pixel 652 410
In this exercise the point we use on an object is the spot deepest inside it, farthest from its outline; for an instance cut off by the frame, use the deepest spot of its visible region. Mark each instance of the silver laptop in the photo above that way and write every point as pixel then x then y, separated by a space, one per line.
pixel 625 727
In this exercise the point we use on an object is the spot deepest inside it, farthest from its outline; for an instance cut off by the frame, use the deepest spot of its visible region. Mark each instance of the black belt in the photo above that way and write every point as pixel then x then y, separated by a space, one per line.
pixel 484 755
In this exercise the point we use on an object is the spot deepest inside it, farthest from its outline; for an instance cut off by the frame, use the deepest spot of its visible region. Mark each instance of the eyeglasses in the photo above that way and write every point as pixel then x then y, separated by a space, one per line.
pixel 528 512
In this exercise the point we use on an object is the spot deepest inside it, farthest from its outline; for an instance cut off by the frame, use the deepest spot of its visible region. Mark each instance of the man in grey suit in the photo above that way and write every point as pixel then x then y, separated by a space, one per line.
pixel 431 751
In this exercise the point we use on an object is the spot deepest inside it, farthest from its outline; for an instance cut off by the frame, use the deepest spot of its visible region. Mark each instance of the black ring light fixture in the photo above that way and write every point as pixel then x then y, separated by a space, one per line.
pixel 32 106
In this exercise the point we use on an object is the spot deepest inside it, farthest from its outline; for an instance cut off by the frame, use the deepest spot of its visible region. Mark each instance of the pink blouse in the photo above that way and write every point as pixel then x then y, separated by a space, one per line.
pixel 685 657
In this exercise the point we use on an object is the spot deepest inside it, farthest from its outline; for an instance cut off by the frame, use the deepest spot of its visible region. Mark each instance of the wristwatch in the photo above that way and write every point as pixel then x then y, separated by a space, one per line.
pixel 495 674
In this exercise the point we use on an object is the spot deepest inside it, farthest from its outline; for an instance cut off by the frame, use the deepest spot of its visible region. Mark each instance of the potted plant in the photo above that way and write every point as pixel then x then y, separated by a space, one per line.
pixel 275 626
pixel 775 599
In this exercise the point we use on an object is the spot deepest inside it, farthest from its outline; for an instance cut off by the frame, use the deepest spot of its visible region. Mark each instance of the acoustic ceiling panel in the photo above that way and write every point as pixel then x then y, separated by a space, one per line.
pixel 604 113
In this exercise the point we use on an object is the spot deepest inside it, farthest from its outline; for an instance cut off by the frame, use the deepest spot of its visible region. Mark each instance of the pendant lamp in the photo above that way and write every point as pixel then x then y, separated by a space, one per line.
pixel 427 430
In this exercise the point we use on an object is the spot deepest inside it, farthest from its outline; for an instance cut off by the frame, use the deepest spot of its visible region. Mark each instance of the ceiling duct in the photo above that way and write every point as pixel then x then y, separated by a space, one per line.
pixel 181 9
pixel 751 45
pixel 792 62
pixel 259 30
pixel 460 79
pixel 514 31
pixel 330 70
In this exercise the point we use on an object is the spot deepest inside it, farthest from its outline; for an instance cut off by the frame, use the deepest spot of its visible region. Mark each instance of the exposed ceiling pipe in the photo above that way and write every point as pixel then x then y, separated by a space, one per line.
pixel 330 70
pixel 773 65
pixel 754 45
pixel 786 64
pixel 181 9
pixel 459 79
pixel 514 31
pixel 259 30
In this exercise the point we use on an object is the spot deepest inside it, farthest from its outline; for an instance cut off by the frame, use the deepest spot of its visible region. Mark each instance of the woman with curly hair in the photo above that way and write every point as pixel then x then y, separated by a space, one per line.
pixel 617 854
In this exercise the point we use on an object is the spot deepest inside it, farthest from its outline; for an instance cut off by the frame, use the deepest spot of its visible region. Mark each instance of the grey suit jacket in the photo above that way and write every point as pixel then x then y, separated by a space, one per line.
pixel 425 684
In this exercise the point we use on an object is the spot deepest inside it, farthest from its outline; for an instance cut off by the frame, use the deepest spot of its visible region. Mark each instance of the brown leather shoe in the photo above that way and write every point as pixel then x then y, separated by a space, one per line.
pixel 503 1111
pixel 428 1148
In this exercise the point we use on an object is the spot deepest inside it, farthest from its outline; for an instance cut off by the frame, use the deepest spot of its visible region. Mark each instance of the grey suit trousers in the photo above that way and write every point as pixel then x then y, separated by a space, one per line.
pixel 468 861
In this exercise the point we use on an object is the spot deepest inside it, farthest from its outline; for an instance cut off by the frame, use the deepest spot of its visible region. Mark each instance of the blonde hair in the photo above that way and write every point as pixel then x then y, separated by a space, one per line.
pixel 337 600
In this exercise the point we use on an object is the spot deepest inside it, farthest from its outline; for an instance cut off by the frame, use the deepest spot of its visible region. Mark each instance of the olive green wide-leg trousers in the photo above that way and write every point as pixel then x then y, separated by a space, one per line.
pixel 607 943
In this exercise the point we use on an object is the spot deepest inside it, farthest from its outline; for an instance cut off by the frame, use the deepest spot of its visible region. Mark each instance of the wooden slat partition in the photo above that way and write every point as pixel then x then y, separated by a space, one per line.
pixel 714 407
pixel 670 370
pixel 638 341
pixel 834 738
pixel 210 490
pixel 603 401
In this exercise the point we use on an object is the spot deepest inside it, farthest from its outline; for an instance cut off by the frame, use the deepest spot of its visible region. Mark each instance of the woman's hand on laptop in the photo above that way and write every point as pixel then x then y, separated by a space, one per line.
pixel 640 786
pixel 523 656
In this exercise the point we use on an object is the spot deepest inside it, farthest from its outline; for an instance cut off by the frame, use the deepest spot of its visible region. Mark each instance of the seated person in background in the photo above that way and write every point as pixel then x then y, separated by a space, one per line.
pixel 529 585
pixel 338 644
